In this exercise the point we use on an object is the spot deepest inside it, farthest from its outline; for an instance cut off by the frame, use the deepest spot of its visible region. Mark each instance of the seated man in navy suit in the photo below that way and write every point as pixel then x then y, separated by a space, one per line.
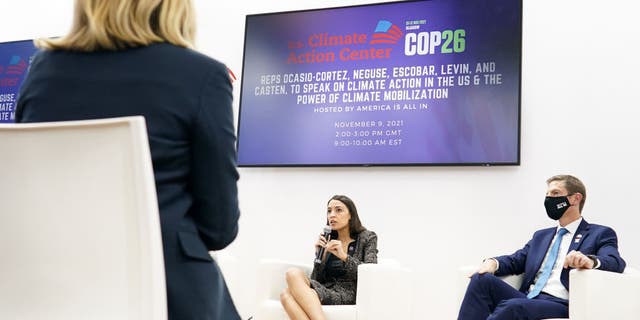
pixel 545 261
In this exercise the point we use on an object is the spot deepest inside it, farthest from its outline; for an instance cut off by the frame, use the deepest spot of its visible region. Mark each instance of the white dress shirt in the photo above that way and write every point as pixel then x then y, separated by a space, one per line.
pixel 553 286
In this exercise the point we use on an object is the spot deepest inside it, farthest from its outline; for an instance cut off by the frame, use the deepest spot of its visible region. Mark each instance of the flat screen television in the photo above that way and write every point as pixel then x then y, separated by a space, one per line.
pixel 15 59
pixel 399 83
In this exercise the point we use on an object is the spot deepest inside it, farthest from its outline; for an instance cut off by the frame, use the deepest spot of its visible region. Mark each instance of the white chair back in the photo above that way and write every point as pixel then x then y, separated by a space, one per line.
pixel 393 286
pixel 79 223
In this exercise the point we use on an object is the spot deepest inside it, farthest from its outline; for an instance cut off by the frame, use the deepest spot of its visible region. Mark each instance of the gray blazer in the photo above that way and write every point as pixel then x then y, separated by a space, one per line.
pixel 342 290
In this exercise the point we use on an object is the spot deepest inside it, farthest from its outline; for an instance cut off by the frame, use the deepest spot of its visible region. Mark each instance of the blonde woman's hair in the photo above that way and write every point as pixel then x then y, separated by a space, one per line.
pixel 121 24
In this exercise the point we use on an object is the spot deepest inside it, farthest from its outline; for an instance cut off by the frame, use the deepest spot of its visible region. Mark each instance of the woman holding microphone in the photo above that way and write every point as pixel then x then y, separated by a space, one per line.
pixel 335 276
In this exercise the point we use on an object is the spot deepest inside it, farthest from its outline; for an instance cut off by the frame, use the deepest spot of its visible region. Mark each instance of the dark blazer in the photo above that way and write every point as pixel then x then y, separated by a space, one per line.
pixel 366 251
pixel 593 239
pixel 186 99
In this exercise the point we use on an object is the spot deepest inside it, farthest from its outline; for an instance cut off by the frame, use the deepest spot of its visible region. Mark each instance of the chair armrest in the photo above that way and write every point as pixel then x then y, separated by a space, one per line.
pixel 384 292
pixel 271 277
pixel 597 294
pixel 514 280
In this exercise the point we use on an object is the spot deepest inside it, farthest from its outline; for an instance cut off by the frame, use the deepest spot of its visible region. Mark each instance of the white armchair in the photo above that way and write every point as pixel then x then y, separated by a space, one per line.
pixel 593 294
pixel 598 294
pixel 384 292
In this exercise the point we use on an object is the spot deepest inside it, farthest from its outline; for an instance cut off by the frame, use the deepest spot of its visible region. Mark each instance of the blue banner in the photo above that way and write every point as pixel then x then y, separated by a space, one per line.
pixel 15 60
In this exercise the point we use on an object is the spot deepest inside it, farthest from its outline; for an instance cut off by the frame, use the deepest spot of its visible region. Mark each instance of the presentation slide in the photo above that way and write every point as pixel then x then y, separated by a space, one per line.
pixel 405 83
pixel 15 59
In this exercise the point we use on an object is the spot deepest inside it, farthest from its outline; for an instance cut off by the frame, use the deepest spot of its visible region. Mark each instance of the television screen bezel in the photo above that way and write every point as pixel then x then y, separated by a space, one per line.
pixel 404 164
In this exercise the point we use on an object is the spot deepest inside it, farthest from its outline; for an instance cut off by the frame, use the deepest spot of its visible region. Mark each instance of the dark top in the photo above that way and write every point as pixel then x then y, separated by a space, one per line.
pixel 334 267
pixel 336 281
pixel 186 99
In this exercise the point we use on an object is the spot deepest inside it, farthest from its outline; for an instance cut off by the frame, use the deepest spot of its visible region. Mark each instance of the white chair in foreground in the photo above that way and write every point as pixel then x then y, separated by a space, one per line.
pixel 593 294
pixel 384 292
pixel 79 224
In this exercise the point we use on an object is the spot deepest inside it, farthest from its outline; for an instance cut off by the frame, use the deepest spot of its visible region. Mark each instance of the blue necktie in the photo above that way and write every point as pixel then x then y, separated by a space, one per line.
pixel 548 266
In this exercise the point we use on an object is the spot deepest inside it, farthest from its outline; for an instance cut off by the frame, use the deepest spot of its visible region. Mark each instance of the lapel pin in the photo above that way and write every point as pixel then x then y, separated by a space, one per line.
pixel 578 237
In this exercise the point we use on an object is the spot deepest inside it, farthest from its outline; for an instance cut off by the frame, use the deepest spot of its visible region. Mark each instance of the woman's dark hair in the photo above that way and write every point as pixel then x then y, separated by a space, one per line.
pixel 355 226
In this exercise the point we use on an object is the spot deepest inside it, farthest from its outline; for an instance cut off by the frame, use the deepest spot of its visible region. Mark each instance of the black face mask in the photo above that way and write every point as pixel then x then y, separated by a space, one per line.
pixel 556 206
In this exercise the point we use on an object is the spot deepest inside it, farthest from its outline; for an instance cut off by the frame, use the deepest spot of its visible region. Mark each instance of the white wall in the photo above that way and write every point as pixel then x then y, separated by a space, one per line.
pixel 579 116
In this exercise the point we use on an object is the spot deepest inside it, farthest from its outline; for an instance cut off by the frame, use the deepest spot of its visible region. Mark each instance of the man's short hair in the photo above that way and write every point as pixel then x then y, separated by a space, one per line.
pixel 573 185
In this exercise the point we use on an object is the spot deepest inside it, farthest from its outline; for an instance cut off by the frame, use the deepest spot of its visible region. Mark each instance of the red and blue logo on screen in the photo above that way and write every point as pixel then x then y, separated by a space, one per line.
pixel 16 66
pixel 328 47
pixel 386 32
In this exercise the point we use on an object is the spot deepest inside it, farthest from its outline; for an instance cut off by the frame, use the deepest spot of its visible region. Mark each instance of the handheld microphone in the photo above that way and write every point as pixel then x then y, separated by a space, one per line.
pixel 326 232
